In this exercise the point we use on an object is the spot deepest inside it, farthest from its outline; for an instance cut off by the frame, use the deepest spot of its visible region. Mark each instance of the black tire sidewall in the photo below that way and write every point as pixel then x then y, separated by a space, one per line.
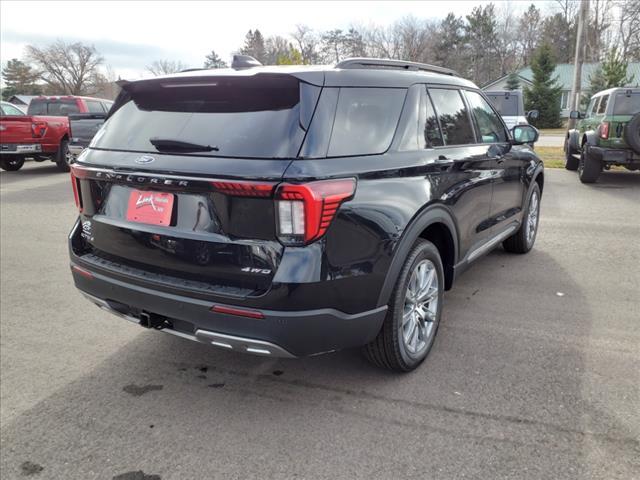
pixel 61 156
pixel 423 250
pixel 12 164
pixel 632 133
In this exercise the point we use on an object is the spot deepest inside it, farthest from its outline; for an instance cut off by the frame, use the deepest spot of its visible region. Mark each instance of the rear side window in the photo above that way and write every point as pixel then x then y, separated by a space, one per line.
pixel 505 104
pixel 94 106
pixel 57 107
pixel 489 124
pixel 453 115
pixel 432 134
pixel 253 117
pixel 602 107
pixel 365 121
pixel 626 104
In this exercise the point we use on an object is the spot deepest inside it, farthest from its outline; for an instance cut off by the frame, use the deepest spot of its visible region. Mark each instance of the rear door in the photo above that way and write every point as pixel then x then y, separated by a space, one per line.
pixel 178 184
pixel 508 164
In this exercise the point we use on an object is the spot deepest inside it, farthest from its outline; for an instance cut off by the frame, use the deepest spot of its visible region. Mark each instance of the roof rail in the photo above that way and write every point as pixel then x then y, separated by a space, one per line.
pixel 399 64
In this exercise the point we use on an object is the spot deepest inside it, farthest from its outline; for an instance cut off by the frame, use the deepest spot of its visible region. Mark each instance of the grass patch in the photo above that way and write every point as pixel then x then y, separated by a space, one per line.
pixel 553 157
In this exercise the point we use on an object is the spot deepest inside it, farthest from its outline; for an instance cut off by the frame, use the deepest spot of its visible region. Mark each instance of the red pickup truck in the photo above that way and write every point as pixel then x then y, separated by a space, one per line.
pixel 43 132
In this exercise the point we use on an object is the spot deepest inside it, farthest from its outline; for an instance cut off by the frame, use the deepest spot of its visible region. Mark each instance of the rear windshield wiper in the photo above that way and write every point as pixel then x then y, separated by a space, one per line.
pixel 170 145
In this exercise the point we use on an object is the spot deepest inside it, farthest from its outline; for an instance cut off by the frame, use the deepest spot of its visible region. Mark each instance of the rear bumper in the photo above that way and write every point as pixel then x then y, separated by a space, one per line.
pixel 612 155
pixel 279 333
pixel 20 149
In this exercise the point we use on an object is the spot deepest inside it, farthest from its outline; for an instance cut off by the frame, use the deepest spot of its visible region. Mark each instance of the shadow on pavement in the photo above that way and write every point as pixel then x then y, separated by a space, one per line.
pixel 501 396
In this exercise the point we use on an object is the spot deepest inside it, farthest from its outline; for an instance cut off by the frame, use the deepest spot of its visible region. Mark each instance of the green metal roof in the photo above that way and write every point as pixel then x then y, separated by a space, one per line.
pixel 564 72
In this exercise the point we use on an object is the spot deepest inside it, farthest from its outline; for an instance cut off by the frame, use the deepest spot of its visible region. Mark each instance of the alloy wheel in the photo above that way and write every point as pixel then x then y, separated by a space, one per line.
pixel 420 308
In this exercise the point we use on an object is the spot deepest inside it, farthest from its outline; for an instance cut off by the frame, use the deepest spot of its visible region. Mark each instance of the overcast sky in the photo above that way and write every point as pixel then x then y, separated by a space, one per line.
pixel 130 35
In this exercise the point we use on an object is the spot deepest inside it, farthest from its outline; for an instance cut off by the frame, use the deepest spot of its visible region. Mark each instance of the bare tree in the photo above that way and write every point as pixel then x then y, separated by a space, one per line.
pixel 67 68
pixel 628 36
pixel 529 33
pixel 307 42
pixel 165 67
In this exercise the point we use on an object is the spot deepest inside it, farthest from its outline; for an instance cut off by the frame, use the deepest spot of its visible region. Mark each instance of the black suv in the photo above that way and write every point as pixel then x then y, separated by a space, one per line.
pixel 290 211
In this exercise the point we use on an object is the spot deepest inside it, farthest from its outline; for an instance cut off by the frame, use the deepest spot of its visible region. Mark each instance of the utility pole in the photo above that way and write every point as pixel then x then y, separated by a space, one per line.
pixel 574 100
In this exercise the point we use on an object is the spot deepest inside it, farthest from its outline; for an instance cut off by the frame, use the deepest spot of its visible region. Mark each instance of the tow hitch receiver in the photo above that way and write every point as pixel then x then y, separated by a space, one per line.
pixel 152 320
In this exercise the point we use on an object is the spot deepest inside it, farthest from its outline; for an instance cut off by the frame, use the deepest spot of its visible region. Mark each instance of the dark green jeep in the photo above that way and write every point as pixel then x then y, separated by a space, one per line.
pixel 608 134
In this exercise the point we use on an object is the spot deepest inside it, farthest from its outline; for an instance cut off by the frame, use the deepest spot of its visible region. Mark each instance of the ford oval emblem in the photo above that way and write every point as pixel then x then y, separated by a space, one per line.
pixel 144 159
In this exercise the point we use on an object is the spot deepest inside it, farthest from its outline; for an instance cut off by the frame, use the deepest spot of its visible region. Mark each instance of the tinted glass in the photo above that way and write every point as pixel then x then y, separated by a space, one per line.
pixel 107 106
pixel 243 117
pixel 489 124
pixel 592 105
pixel 11 110
pixel 431 131
pixel 366 119
pixel 602 107
pixel 57 107
pixel 627 104
pixel 506 105
pixel 94 106
pixel 454 118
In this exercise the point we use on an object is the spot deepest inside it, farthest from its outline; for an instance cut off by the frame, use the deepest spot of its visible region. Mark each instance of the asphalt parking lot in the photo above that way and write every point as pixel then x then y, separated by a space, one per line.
pixel 534 374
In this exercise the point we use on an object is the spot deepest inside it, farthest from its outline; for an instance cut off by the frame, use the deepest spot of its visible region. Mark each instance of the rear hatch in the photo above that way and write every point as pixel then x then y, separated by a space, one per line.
pixel 177 186
pixel 626 105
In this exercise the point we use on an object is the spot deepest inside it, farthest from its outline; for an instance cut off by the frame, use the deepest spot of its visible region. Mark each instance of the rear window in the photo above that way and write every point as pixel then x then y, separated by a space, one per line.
pixel 627 104
pixel 365 121
pixel 94 106
pixel 253 117
pixel 58 107
pixel 506 105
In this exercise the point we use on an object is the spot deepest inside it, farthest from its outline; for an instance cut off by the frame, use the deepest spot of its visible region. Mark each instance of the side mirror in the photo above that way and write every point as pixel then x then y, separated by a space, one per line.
pixel 575 115
pixel 524 134
pixel 533 114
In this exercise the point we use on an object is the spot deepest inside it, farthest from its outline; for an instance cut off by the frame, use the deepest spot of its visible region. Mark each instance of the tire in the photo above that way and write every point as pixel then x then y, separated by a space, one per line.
pixel 632 133
pixel 396 347
pixel 589 168
pixel 522 241
pixel 12 164
pixel 62 156
pixel 570 162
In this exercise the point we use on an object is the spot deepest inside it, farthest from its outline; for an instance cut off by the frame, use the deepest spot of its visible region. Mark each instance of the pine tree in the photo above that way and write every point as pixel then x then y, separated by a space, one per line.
pixel 254 46
pixel 214 61
pixel 544 94
pixel 614 70
pixel 19 79
pixel 513 82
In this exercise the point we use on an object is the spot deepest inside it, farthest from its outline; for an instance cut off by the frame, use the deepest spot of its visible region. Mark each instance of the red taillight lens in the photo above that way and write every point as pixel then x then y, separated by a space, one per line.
pixel 244 189
pixel 604 130
pixel 304 212
pixel 38 129
pixel 75 184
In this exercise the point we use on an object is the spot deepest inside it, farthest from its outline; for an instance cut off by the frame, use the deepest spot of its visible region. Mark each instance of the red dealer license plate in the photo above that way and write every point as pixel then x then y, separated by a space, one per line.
pixel 154 208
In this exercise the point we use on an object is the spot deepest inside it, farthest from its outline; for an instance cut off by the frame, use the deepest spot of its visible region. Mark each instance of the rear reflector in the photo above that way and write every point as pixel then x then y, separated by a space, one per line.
pixel 239 312
pixel 305 211
pixel 81 271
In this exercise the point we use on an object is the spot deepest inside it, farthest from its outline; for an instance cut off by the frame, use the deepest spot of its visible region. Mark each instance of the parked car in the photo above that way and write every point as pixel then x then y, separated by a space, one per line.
pixel 510 105
pixel 35 136
pixel 82 128
pixel 65 105
pixel 607 134
pixel 290 211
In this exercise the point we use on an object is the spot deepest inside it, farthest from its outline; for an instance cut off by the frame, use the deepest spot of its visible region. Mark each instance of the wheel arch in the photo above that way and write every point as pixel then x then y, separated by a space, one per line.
pixel 435 224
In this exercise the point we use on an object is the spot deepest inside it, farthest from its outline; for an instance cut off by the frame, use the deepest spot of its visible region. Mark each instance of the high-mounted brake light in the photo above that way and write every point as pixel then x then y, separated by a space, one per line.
pixel 244 189
pixel 305 211
pixel 38 129
pixel 604 130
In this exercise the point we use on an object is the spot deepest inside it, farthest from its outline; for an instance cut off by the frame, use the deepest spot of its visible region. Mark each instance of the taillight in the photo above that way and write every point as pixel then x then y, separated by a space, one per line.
pixel 244 189
pixel 38 129
pixel 75 184
pixel 604 130
pixel 304 212
pixel 239 312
